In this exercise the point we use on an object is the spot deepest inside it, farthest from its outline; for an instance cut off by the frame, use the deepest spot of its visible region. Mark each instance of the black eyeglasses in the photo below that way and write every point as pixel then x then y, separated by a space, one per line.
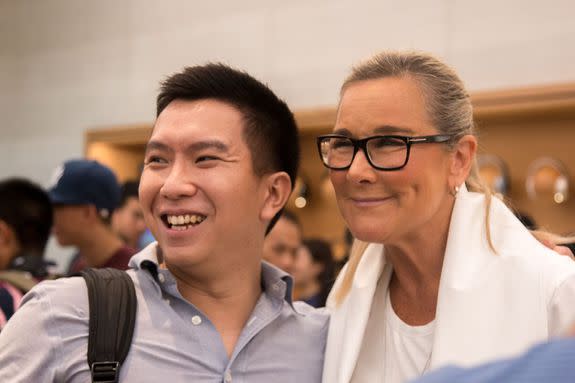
pixel 382 152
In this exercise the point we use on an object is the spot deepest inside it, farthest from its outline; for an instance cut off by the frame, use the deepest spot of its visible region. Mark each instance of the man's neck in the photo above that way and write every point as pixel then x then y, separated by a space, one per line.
pixel 100 246
pixel 226 298
pixel 133 243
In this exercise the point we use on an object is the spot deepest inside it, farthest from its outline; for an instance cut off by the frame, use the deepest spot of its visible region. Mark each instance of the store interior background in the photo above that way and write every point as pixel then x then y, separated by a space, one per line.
pixel 69 66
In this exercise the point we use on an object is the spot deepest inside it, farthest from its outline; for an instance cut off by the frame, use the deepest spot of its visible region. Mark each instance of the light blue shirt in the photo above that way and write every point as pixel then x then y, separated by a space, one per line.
pixel 46 340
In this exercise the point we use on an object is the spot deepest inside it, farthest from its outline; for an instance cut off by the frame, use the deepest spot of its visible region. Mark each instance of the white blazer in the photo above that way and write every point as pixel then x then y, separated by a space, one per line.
pixel 489 305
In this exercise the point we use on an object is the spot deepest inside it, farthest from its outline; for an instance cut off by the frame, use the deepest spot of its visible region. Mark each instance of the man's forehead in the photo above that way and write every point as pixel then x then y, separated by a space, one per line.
pixel 214 108
pixel 201 122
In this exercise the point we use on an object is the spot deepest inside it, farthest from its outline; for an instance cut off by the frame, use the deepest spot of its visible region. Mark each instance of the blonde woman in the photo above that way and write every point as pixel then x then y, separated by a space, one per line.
pixel 443 273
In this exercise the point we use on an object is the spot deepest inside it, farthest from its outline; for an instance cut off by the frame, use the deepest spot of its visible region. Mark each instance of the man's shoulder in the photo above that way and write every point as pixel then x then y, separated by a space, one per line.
pixel 64 299
pixel 68 291
pixel 314 319
pixel 303 308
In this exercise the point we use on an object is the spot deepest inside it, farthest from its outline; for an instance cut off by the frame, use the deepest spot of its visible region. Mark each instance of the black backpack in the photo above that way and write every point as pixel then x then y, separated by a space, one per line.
pixel 113 305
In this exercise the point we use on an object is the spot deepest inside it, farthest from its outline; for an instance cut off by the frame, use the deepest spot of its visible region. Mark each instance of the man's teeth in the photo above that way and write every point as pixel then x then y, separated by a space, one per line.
pixel 179 220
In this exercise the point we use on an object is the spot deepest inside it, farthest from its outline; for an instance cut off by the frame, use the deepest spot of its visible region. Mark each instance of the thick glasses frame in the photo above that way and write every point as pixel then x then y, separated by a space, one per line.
pixel 362 144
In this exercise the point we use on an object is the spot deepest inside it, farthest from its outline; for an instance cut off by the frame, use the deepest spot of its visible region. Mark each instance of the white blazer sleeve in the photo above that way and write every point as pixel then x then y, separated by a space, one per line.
pixel 562 307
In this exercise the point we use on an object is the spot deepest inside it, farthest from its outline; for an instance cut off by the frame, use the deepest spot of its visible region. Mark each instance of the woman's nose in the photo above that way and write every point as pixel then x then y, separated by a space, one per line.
pixel 360 169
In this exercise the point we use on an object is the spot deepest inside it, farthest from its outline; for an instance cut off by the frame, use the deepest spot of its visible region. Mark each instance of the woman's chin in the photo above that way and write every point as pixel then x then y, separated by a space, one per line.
pixel 369 231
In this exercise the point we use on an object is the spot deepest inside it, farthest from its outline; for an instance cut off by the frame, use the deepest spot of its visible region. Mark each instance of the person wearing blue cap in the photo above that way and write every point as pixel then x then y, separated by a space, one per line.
pixel 84 194
pixel 128 219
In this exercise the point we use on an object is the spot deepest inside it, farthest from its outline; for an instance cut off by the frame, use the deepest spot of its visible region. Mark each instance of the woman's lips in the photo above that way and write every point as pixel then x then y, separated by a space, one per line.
pixel 369 202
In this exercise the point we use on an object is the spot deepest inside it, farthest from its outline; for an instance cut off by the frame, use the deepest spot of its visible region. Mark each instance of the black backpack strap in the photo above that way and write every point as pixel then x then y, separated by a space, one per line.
pixel 113 304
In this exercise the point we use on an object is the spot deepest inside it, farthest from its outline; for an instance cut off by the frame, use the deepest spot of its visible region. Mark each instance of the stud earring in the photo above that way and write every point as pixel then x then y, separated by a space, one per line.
pixel 454 191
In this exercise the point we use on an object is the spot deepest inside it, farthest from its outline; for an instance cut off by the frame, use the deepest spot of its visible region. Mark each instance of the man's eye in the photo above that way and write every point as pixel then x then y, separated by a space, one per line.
pixel 279 249
pixel 155 160
pixel 206 158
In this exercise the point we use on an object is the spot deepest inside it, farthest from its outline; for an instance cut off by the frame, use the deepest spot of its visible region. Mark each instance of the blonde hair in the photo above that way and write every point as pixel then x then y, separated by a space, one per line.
pixel 449 106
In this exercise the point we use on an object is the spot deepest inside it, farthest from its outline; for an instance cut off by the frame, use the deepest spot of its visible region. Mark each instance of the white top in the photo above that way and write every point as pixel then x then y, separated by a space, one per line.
pixel 395 352
pixel 489 305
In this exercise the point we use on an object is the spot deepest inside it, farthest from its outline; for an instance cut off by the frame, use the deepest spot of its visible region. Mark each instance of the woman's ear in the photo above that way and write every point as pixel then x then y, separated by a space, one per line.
pixel 463 157
pixel 277 189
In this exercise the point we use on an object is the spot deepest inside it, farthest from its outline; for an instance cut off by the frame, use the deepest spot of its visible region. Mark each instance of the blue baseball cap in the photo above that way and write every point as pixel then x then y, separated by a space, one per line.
pixel 85 182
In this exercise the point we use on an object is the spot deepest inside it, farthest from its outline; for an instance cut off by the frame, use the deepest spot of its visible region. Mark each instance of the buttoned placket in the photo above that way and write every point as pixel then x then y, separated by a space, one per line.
pixel 267 309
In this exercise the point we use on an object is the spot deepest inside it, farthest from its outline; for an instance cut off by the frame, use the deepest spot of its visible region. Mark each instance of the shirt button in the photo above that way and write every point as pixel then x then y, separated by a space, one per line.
pixel 162 278
pixel 196 320
pixel 228 377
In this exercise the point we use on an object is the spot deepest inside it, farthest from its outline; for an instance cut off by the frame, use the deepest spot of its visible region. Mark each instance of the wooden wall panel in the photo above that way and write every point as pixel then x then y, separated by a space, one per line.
pixel 518 125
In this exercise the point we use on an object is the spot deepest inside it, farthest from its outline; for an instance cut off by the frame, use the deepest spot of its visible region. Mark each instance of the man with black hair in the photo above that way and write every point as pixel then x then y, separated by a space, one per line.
pixel 283 242
pixel 128 219
pixel 85 194
pixel 25 224
pixel 219 168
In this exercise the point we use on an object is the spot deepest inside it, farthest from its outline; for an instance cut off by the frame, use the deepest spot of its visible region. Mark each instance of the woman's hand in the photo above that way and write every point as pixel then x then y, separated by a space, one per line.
pixel 552 241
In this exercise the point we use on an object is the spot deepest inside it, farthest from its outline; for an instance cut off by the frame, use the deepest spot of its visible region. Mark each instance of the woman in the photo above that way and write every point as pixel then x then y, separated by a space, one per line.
pixel 314 272
pixel 443 272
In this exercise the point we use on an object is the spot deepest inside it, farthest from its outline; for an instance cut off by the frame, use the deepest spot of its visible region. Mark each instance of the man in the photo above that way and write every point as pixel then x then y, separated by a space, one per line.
pixel 219 167
pixel 25 223
pixel 283 241
pixel 551 362
pixel 128 219
pixel 84 194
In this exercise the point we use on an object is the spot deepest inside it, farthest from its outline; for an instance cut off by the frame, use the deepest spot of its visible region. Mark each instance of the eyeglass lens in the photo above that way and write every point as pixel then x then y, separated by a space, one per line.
pixel 384 152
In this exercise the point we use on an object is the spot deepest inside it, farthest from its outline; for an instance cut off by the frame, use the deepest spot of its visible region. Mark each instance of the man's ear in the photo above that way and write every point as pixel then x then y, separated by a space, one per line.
pixel 90 213
pixel 317 267
pixel 9 244
pixel 277 189
pixel 6 234
pixel 463 157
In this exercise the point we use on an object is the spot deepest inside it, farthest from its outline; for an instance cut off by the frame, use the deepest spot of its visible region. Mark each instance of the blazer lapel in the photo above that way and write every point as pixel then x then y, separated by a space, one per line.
pixel 357 309
pixel 466 284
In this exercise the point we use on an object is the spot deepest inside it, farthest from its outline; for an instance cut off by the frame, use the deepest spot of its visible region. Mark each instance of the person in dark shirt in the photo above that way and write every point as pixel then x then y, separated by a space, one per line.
pixel 128 219
pixel 84 194
pixel 25 223
pixel 283 242
pixel 314 271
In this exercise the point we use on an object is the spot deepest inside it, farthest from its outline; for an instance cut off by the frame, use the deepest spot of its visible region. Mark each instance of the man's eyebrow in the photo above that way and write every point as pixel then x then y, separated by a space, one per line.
pixel 208 144
pixel 156 145
pixel 194 147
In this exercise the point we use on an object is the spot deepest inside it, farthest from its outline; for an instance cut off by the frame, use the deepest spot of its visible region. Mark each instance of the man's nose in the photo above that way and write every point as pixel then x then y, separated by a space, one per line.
pixel 179 183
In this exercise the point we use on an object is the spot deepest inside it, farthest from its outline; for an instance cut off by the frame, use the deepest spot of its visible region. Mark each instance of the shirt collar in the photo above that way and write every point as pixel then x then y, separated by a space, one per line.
pixel 275 282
